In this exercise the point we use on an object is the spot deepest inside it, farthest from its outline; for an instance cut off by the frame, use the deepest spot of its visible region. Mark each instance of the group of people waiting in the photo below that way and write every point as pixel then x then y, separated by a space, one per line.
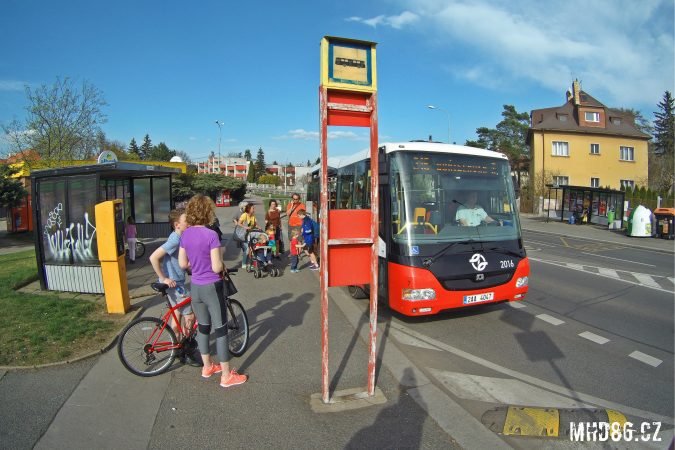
pixel 301 232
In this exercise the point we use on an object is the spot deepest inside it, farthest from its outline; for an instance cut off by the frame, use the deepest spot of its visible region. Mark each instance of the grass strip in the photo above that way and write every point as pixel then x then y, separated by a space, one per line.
pixel 44 328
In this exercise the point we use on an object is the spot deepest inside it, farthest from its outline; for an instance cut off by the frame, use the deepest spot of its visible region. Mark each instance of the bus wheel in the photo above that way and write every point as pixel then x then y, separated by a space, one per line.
pixel 357 292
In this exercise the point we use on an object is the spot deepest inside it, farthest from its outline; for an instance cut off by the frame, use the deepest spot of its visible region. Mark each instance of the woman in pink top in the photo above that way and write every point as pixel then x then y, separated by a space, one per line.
pixel 200 250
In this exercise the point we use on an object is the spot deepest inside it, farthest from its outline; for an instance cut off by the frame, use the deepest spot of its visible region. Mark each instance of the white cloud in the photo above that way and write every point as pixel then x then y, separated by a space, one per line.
pixel 12 85
pixel 305 135
pixel 621 50
pixel 397 22
pixel 192 138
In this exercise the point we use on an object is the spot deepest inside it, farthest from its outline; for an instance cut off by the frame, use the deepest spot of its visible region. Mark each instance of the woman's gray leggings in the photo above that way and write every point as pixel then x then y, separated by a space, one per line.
pixel 209 306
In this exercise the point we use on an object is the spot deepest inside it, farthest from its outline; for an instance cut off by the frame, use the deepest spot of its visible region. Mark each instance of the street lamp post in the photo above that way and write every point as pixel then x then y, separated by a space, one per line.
pixel 446 112
pixel 220 135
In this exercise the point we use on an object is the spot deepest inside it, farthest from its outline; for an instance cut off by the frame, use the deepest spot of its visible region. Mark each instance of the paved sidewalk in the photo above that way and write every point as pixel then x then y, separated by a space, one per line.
pixel 531 222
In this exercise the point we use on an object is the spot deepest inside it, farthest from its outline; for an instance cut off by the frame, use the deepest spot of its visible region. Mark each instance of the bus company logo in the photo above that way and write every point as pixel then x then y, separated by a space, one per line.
pixel 478 262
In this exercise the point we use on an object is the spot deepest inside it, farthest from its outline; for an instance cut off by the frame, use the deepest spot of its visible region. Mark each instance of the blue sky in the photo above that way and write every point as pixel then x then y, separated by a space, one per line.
pixel 171 68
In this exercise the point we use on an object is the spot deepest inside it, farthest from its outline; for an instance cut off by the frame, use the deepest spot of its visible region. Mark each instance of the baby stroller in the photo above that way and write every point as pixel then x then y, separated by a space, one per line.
pixel 260 256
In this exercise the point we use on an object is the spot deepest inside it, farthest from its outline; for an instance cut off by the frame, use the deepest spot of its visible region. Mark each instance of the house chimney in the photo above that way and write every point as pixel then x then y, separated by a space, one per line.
pixel 568 95
pixel 576 88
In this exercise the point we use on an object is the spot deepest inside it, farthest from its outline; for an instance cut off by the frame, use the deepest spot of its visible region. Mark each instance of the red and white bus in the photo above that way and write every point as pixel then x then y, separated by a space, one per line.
pixel 430 260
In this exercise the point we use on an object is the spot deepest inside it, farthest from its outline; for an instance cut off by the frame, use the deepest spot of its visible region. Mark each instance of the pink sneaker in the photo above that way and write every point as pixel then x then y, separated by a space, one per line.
pixel 233 379
pixel 208 371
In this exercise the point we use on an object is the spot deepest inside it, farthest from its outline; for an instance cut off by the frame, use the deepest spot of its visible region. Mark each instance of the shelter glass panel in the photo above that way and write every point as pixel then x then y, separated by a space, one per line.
pixel 142 200
pixel 51 199
pixel 161 199
pixel 82 224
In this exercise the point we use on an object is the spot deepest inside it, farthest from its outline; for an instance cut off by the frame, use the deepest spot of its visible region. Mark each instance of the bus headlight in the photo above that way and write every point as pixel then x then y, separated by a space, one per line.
pixel 418 294
pixel 522 282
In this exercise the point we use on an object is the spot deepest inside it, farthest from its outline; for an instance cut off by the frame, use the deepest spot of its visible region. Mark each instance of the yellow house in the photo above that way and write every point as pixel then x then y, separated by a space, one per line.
pixel 585 143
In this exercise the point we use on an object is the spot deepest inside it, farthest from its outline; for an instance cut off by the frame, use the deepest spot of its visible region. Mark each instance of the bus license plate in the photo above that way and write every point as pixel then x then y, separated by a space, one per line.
pixel 468 299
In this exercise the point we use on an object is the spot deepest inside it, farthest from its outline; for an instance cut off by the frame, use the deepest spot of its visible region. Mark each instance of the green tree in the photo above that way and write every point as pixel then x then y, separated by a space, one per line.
pixel 185 186
pixel 509 136
pixel 247 155
pixel 61 124
pixel 269 179
pixel 251 172
pixel 161 152
pixel 260 165
pixel 133 149
pixel 146 147
pixel 11 189
pixel 641 123
pixel 664 125
pixel 318 160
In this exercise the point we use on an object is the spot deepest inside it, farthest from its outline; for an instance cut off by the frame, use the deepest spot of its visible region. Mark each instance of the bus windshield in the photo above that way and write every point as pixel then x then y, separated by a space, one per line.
pixel 443 197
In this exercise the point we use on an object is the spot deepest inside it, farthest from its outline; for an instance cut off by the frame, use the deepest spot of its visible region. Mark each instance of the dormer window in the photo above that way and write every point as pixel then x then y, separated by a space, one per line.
pixel 616 120
pixel 562 117
pixel 592 116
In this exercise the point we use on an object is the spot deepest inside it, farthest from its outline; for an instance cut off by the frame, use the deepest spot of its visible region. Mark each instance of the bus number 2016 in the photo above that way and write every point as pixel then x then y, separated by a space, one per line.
pixel 507 264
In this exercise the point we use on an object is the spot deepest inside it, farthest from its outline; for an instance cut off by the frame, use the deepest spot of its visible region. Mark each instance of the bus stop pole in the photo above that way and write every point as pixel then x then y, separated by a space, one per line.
pixel 374 233
pixel 323 240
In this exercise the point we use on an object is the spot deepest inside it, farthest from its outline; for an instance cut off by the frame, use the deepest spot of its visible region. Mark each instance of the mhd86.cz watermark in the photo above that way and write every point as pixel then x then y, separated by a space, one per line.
pixel 615 432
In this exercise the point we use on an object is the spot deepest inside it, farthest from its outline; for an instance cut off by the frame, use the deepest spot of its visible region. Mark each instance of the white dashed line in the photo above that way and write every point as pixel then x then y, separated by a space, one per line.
pixel 643 357
pixel 594 337
pixel 608 272
pixel 646 280
pixel 517 305
pixel 550 319
pixel 618 259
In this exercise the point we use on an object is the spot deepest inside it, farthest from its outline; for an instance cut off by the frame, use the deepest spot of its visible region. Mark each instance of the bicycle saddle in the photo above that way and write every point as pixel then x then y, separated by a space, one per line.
pixel 159 287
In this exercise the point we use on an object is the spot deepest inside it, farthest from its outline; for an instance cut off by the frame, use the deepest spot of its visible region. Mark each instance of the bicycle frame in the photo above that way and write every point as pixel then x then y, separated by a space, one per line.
pixel 171 313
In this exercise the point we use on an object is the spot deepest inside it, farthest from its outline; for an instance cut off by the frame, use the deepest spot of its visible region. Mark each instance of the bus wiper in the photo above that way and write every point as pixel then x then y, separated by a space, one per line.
pixel 429 261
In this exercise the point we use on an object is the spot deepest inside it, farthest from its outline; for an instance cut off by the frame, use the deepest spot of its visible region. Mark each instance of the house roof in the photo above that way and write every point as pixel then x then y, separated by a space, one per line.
pixel 549 119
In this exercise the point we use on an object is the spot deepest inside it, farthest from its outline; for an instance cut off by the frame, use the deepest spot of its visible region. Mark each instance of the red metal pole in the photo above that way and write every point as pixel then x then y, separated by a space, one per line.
pixel 323 241
pixel 374 233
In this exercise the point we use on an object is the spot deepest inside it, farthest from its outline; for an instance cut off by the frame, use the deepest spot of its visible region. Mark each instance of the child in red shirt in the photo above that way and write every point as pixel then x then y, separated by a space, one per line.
pixel 295 250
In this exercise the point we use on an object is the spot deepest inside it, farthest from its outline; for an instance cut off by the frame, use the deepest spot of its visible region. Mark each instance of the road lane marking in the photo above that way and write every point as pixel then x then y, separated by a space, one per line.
pixel 502 390
pixel 564 241
pixel 582 268
pixel 545 244
pixel 594 337
pixel 618 259
pixel 566 391
pixel 550 319
pixel 517 305
pixel 646 280
pixel 645 358
pixel 608 272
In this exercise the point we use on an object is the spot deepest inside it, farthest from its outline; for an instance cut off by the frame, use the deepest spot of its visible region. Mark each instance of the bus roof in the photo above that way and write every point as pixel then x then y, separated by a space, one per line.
pixel 335 162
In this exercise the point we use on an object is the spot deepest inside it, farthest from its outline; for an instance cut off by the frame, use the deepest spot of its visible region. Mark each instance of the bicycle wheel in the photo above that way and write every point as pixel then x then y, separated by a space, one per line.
pixel 144 350
pixel 237 328
pixel 140 249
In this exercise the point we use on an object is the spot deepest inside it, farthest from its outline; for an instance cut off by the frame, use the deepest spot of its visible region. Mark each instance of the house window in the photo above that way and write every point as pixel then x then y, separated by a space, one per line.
pixel 562 117
pixel 560 180
pixel 616 120
pixel 595 182
pixel 560 148
pixel 592 116
pixel 627 184
pixel 627 154
pixel 595 149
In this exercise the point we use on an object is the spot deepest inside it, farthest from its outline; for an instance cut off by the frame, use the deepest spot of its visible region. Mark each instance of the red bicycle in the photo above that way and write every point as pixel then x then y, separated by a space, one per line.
pixel 148 346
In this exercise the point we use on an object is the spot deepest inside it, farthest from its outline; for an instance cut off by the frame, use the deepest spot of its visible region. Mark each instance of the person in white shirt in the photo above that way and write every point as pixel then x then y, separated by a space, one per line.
pixel 470 214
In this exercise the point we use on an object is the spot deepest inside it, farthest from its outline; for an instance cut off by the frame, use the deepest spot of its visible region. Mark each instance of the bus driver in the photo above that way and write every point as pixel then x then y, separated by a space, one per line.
pixel 470 214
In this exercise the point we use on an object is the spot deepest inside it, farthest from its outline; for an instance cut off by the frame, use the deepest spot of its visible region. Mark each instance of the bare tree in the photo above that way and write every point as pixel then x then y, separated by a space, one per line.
pixel 62 123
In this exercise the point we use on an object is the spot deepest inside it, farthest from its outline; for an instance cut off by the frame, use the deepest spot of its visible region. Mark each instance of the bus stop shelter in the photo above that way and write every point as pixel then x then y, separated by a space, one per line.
pixel 63 201
pixel 601 205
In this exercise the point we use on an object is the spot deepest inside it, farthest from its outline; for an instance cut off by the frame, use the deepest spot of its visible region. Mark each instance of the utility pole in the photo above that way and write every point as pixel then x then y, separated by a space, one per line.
pixel 220 135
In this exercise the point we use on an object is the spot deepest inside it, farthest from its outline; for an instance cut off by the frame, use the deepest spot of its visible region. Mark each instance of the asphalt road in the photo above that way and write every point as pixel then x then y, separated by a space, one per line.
pixel 595 329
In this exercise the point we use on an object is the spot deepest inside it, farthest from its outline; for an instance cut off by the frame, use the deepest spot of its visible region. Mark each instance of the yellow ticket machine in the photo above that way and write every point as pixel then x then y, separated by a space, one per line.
pixel 110 238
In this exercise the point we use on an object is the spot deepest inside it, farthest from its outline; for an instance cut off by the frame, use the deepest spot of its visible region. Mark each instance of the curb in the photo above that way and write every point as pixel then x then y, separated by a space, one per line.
pixel 104 349
pixel 630 245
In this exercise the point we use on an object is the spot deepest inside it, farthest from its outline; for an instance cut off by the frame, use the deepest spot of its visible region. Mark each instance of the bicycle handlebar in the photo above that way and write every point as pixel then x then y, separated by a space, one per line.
pixel 162 287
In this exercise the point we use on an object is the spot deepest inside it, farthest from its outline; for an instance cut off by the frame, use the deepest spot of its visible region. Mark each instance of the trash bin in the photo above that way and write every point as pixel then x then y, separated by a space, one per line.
pixel 664 222
pixel 610 218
